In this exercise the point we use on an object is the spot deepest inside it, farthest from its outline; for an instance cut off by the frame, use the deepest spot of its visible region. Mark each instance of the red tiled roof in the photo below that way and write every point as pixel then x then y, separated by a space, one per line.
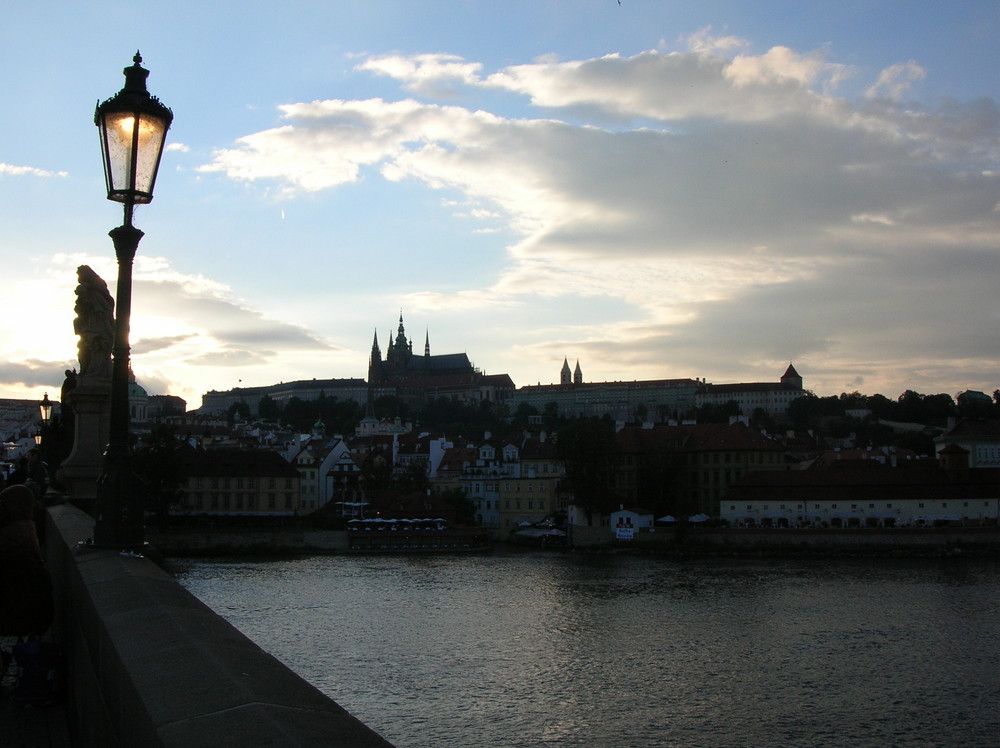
pixel 750 387
pixel 705 437
pixel 928 483
pixel 975 427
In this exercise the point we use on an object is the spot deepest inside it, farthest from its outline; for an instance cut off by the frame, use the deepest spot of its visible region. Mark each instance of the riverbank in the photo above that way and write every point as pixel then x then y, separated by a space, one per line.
pixel 971 542
pixel 284 542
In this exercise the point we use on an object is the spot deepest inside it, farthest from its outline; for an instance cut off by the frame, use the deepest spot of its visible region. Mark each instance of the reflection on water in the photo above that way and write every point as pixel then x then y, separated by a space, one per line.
pixel 516 649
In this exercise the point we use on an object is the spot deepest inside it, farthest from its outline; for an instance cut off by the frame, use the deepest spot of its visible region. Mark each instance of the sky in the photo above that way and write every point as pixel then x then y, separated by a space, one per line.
pixel 653 189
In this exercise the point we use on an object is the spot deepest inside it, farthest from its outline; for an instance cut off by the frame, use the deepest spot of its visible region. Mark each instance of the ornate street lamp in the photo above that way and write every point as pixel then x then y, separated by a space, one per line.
pixel 45 410
pixel 45 414
pixel 133 127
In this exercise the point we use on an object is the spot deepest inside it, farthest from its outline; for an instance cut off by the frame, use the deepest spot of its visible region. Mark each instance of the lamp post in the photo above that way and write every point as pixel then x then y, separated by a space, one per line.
pixel 45 417
pixel 45 410
pixel 133 127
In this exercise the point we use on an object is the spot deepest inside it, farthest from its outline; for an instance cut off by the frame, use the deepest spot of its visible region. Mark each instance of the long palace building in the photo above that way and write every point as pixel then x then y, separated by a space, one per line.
pixel 655 399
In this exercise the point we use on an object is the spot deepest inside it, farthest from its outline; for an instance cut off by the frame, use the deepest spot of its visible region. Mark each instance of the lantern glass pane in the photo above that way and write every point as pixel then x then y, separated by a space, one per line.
pixel 116 136
pixel 152 132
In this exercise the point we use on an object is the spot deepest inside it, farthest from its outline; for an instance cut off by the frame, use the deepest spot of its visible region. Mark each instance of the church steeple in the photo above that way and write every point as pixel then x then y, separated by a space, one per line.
pixel 791 377
pixel 398 355
pixel 376 354
pixel 578 373
pixel 565 378
pixel 427 344
pixel 374 369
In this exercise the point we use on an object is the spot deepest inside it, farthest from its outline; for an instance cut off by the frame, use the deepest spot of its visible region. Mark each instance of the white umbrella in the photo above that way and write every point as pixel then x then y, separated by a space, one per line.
pixel 667 518
pixel 699 518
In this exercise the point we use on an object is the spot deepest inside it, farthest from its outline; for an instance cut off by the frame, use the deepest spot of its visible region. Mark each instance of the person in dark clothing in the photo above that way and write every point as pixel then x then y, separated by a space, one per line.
pixel 37 478
pixel 34 473
pixel 26 605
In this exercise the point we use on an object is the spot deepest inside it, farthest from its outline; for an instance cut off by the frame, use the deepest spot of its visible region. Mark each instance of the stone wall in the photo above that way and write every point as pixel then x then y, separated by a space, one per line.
pixel 148 664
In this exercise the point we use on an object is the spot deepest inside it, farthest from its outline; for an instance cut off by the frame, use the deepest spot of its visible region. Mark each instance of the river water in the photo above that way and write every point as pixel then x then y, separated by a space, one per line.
pixel 547 649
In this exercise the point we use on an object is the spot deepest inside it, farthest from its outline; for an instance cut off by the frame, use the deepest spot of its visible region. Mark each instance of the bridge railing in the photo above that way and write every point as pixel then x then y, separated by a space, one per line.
pixel 148 664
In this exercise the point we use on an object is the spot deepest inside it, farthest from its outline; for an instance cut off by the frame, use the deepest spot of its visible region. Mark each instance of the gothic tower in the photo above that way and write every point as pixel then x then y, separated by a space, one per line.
pixel 400 350
pixel 374 375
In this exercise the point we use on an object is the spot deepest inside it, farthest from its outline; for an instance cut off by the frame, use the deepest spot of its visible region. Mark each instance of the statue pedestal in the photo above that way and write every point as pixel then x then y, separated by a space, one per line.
pixel 91 403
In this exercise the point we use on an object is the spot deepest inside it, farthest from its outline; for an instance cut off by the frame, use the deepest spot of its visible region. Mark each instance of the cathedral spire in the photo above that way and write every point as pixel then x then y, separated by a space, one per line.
pixel 427 343
pixel 401 332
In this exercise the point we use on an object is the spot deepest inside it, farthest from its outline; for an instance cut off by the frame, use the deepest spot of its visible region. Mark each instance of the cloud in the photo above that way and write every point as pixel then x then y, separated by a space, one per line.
pixel 211 320
pixel 33 373
pixel 230 357
pixel 437 75
pixel 896 80
pixel 31 171
pixel 737 212
pixel 152 345
pixel 178 321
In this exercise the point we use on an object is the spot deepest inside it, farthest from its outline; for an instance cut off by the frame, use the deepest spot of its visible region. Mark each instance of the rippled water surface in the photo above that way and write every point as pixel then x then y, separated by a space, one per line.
pixel 528 649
